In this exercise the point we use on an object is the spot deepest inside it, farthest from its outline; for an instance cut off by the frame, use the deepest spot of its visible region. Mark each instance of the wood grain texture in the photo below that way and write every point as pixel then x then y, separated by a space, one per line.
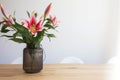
pixel 57 72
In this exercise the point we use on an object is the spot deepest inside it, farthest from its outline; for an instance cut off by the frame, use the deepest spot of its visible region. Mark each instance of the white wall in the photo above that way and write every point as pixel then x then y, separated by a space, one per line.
pixel 87 29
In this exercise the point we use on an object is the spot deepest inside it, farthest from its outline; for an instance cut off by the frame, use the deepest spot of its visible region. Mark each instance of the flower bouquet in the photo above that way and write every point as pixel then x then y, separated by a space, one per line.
pixel 31 32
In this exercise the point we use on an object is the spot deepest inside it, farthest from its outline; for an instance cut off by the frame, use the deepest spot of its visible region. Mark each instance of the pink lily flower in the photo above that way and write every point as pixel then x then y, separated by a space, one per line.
pixel 47 10
pixel 54 21
pixel 33 25
pixel 2 10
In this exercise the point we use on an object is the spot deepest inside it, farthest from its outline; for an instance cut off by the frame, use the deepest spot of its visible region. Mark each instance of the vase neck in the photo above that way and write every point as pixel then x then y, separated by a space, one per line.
pixel 33 46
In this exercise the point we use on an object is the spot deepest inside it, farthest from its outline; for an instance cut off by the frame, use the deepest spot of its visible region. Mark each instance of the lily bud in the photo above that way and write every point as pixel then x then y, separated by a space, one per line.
pixel 11 19
pixel 47 10
pixel 2 10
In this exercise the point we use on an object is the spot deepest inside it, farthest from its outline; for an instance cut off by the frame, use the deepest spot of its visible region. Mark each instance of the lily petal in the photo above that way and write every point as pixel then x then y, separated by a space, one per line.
pixel 26 23
pixel 32 20
pixel 39 27
pixel 55 21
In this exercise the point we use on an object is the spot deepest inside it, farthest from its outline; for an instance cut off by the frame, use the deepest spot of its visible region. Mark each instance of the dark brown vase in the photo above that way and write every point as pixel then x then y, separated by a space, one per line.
pixel 32 60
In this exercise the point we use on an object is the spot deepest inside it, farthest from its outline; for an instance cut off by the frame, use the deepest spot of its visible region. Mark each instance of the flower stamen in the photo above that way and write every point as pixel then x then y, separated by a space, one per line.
pixel 33 28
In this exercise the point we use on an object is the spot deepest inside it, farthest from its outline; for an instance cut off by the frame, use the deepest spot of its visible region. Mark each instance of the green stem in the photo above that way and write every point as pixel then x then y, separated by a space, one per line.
pixel 43 21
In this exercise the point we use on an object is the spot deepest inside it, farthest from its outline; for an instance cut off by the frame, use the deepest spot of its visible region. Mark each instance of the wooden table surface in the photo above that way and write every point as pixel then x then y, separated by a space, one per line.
pixel 58 72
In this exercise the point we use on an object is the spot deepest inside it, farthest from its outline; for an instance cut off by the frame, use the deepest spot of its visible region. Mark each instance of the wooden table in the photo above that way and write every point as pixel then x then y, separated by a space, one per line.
pixel 58 72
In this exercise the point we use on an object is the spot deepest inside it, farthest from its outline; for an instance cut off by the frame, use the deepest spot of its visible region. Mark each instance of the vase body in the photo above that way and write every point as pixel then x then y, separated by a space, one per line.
pixel 32 60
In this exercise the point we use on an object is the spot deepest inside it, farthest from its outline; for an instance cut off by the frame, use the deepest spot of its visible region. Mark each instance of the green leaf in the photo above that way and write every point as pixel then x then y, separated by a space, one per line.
pixel 49 26
pixel 25 34
pixel 50 36
pixel 14 14
pixel 28 14
pixel 2 22
pixel 35 14
pixel 48 19
pixel 16 34
pixel 4 29
pixel 17 40
pixel 39 37
pixel 6 36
